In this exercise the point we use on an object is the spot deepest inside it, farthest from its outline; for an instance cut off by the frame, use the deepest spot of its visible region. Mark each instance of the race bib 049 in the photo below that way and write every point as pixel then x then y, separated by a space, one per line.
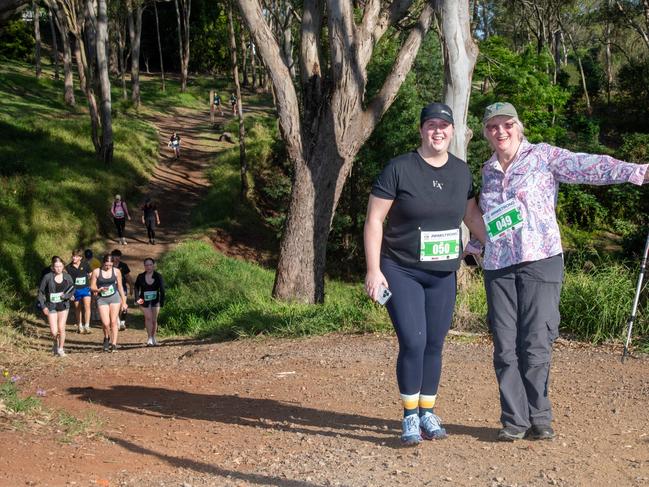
pixel 502 219
pixel 441 245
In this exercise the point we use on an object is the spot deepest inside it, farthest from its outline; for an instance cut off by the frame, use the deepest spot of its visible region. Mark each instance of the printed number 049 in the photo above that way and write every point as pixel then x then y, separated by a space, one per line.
pixel 503 222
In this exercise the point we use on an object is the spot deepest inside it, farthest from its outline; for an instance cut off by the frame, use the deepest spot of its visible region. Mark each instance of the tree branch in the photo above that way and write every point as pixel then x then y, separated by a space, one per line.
pixel 382 101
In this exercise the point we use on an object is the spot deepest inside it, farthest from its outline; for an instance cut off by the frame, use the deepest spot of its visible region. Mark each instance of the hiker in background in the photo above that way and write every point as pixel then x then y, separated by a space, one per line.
pixel 150 218
pixel 54 295
pixel 127 282
pixel 233 104
pixel 107 283
pixel 150 295
pixel 79 271
pixel 217 103
pixel 174 143
pixel 119 210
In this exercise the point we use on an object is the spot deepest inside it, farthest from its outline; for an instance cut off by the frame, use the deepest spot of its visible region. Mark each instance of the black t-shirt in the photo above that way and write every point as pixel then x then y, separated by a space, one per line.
pixel 79 275
pixel 426 198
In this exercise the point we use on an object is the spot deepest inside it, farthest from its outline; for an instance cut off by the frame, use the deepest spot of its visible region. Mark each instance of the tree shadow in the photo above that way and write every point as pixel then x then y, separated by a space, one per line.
pixel 243 411
pixel 201 467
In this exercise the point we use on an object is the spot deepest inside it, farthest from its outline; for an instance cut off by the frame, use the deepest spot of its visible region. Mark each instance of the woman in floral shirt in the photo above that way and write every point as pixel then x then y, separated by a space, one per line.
pixel 524 260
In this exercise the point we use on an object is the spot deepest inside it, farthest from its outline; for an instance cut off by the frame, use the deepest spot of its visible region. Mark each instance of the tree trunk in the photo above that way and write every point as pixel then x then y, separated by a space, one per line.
pixel 183 13
pixel 180 38
pixel 68 79
pixel 84 66
pixel 135 34
pixel 242 131
pixel 37 38
pixel 121 59
pixel 460 55
pixel 244 57
pixel 157 31
pixel 55 46
pixel 335 121
pixel 106 152
pixel 81 70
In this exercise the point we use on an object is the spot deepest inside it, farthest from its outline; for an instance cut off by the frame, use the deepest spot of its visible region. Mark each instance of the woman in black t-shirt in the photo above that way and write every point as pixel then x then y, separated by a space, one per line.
pixel 425 195
pixel 150 295
pixel 79 271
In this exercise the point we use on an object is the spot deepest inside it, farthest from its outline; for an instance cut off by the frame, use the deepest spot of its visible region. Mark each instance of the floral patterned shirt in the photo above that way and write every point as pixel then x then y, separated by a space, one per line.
pixel 532 181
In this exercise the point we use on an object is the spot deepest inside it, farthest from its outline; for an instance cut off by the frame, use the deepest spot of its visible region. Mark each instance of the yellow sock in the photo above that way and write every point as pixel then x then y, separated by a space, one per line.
pixel 426 403
pixel 410 403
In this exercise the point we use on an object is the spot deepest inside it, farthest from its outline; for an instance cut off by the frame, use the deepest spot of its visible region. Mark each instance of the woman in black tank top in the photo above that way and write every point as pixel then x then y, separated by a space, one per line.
pixel 106 282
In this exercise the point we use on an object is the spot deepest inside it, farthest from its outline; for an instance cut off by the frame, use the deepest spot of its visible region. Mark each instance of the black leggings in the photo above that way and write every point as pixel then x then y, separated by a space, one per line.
pixel 150 228
pixel 120 224
pixel 421 309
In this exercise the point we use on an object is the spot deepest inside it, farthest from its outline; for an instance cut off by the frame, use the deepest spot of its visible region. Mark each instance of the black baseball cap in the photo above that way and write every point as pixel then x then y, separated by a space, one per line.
pixel 436 110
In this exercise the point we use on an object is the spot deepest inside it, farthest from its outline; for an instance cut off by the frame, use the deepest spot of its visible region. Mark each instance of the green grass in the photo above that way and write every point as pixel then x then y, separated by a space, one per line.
pixel 71 427
pixel 11 399
pixel 213 296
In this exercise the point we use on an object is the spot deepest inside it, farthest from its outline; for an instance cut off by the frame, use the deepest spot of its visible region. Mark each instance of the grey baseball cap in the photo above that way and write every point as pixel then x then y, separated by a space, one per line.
pixel 436 110
pixel 499 108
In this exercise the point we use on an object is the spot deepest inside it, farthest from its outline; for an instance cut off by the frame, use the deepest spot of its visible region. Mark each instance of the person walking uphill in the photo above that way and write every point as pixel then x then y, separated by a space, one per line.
pixel 119 210
pixel 150 218
pixel 54 295
pixel 107 282
pixel 79 270
pixel 150 295
pixel 425 195
pixel 523 260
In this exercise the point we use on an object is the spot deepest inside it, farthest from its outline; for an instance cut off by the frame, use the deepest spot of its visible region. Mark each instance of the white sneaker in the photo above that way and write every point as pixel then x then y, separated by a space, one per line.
pixel 60 352
pixel 87 329
pixel 122 325
pixel 155 342
pixel 125 242
pixel 149 342
pixel 81 331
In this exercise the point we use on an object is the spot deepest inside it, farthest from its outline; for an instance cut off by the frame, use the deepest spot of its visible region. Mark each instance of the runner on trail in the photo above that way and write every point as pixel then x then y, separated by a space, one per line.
pixel 79 271
pixel 174 143
pixel 150 218
pixel 127 282
pixel 523 262
pixel 54 295
pixel 233 103
pixel 425 195
pixel 217 103
pixel 107 283
pixel 150 295
pixel 119 210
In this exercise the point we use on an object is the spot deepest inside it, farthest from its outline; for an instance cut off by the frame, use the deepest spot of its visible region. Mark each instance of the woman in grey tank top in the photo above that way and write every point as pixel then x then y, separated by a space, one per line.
pixel 106 282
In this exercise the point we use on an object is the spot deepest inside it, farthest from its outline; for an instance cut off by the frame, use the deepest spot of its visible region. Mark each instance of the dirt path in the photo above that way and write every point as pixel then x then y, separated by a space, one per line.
pixel 300 413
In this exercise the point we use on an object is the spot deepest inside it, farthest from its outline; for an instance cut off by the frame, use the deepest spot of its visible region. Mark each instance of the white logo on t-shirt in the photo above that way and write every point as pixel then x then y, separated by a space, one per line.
pixel 437 184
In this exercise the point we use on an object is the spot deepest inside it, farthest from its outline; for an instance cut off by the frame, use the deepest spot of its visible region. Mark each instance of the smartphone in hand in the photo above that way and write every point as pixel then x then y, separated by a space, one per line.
pixel 384 295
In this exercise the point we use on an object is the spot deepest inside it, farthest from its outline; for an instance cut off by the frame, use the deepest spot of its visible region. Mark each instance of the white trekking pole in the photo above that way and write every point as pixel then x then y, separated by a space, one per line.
pixel 643 269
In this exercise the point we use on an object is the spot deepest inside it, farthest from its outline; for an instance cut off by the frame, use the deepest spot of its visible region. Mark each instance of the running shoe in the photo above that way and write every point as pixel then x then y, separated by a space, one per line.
pixel 87 330
pixel 60 352
pixel 431 427
pixel 112 347
pixel 149 342
pixel 80 330
pixel 410 435
pixel 106 344
pixel 510 433
pixel 122 325
pixel 155 342
pixel 541 432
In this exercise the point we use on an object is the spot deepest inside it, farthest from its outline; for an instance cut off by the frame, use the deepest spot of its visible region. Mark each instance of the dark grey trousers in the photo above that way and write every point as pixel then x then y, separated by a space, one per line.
pixel 523 317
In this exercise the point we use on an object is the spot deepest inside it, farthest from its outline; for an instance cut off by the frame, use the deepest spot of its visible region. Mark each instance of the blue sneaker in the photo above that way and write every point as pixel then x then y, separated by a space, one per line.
pixel 410 435
pixel 431 427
